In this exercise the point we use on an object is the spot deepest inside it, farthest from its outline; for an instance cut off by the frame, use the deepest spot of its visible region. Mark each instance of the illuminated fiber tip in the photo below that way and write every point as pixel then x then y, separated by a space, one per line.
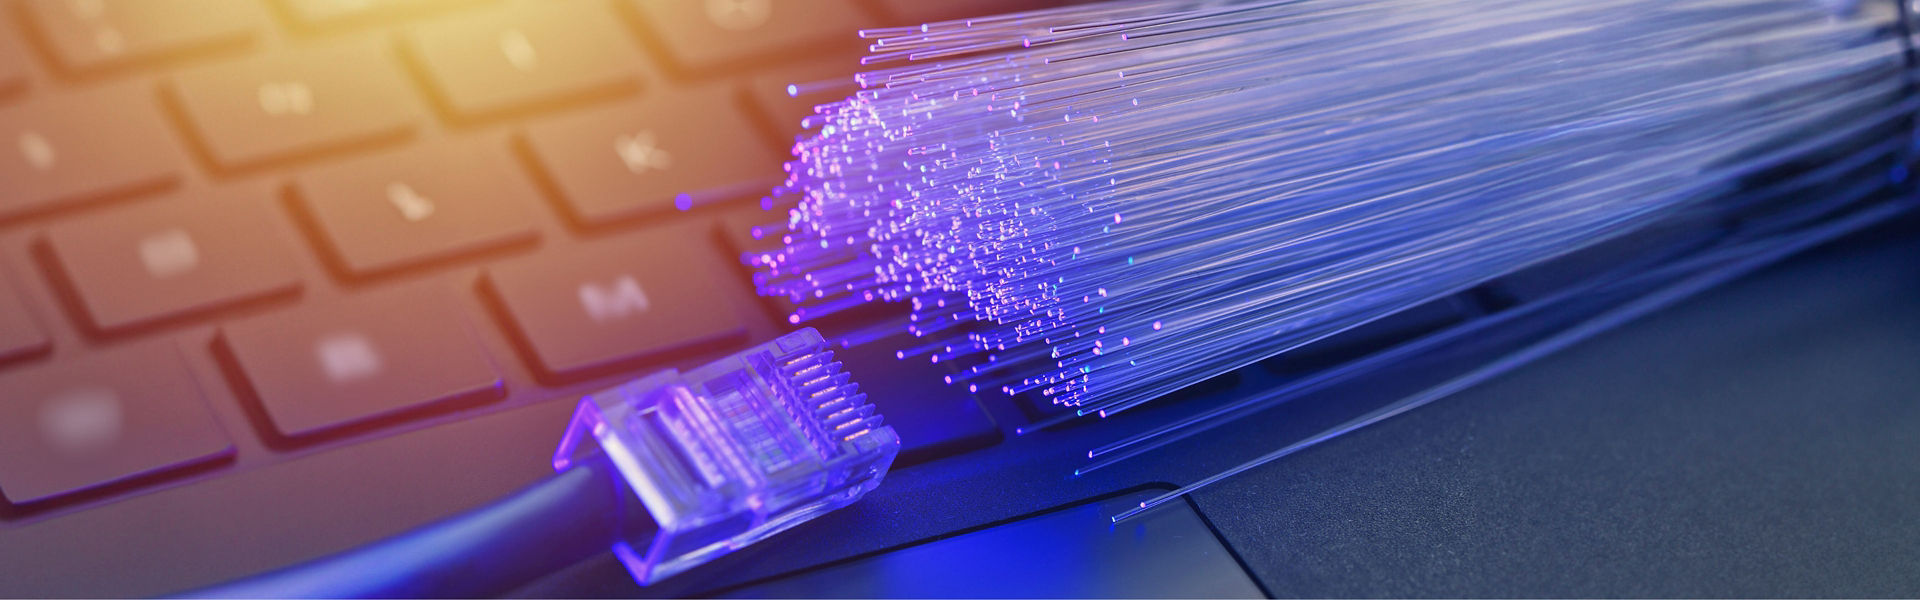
pixel 1267 173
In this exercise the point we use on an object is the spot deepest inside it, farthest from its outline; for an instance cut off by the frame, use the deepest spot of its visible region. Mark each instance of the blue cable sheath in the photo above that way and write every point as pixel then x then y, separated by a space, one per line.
pixel 547 526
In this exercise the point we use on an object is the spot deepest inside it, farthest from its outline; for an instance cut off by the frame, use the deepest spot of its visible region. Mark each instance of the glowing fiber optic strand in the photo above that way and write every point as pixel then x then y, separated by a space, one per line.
pixel 1762 240
pixel 1663 297
pixel 1104 204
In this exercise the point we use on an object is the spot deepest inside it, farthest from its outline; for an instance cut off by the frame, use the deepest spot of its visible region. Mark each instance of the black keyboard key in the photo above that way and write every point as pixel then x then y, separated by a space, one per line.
pixel 633 161
pixel 934 419
pixel 615 303
pixel 288 105
pixel 68 426
pixel 525 56
pixel 444 200
pixel 810 86
pixel 20 335
pixel 182 256
pixel 386 354
pixel 70 149
pixel 87 35
pixel 703 35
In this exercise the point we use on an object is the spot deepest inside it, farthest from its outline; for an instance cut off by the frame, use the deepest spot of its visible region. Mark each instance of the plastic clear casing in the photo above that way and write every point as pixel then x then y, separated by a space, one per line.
pixel 734 451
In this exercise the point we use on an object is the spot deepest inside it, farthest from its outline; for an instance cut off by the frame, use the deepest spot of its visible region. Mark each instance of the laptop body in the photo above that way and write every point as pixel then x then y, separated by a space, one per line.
pixel 292 328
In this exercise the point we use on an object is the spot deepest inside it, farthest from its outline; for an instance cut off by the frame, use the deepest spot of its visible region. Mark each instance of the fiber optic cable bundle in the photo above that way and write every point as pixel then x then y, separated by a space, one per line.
pixel 1101 204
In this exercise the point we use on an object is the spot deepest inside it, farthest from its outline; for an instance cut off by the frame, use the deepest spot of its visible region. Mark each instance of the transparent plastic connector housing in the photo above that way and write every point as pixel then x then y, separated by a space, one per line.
pixel 734 451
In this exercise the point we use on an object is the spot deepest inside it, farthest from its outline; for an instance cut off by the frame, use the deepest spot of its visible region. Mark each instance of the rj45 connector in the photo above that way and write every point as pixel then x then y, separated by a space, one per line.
pixel 734 451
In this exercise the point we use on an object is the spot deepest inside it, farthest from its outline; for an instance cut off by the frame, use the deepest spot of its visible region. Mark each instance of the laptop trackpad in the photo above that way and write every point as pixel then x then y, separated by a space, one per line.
pixel 1069 553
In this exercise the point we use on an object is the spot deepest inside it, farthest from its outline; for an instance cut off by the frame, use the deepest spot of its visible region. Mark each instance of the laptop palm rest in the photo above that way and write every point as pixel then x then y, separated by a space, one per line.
pixel 1070 553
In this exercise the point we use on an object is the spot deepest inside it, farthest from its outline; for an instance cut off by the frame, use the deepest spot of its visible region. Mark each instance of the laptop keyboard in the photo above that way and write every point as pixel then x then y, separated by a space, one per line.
pixel 376 216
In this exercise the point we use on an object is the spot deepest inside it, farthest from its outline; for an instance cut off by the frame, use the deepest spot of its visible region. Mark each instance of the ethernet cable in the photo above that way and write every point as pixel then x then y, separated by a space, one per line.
pixel 667 472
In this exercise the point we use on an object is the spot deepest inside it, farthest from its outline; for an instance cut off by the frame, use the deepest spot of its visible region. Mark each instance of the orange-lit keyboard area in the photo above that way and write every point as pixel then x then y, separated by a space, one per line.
pixel 234 233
